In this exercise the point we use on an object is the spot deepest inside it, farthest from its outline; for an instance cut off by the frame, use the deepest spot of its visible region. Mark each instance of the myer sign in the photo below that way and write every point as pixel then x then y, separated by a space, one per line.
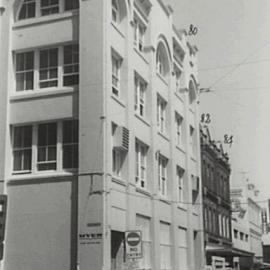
pixel 133 244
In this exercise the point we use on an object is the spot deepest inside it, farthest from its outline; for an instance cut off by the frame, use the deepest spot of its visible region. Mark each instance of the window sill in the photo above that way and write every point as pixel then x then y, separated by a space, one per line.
pixel 178 96
pixel 164 136
pixel 142 119
pixel 182 206
pixel 116 27
pixel 141 55
pixel 163 199
pixel 118 180
pixel 45 19
pixel 39 93
pixel 180 148
pixel 193 158
pixel 191 109
pixel 42 175
pixel 162 78
pixel 143 191
pixel 117 99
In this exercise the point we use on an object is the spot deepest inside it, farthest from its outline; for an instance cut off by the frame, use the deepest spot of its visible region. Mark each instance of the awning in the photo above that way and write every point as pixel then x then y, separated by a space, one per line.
pixel 227 251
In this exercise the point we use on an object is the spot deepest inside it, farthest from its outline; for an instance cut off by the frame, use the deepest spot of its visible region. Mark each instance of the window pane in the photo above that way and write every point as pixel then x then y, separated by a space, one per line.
pixel 52 153
pixel 42 154
pixel 27 159
pixel 29 61
pixel 52 133
pixel 42 134
pixel 29 77
pixel 19 81
pixel 67 156
pixel 17 160
pixel 71 4
pixel 20 61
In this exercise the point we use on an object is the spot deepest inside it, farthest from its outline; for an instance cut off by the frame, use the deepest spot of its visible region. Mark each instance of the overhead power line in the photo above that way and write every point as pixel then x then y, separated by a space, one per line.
pixel 236 64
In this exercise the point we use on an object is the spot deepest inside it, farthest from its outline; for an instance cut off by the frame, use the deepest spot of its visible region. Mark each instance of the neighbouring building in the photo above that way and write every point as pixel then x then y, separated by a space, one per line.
pixel 247 225
pixel 265 212
pixel 216 200
pixel 99 136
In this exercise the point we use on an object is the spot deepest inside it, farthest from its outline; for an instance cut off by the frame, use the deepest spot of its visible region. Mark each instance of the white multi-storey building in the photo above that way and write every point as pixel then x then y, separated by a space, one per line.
pixel 99 135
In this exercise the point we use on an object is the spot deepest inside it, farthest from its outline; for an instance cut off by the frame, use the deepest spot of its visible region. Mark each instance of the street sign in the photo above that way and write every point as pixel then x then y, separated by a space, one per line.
pixel 133 241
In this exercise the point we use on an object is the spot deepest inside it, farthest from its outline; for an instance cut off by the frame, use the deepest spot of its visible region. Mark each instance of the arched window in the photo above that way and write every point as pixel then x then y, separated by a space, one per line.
pixel 115 11
pixel 192 93
pixel 119 14
pixel 28 10
pixel 162 61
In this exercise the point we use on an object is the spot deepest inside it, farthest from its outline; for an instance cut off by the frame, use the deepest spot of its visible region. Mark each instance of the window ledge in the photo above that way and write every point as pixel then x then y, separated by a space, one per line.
pixel 143 191
pixel 141 55
pixel 191 109
pixel 45 19
pixel 165 200
pixel 35 94
pixel 193 158
pixel 117 99
pixel 162 78
pixel 178 96
pixel 41 175
pixel 116 27
pixel 180 148
pixel 163 136
pixel 182 207
pixel 142 119
pixel 118 180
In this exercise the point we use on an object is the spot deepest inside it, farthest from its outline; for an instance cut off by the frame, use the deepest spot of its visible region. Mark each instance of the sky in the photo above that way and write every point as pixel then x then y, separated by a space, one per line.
pixel 234 60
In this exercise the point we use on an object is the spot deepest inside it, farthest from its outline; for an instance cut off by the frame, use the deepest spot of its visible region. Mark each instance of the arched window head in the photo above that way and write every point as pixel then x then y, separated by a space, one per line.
pixel 192 92
pixel 162 61
pixel 115 11
pixel 119 12
pixel 28 9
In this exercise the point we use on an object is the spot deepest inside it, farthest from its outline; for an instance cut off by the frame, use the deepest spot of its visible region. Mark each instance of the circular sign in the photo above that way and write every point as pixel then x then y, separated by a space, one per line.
pixel 133 239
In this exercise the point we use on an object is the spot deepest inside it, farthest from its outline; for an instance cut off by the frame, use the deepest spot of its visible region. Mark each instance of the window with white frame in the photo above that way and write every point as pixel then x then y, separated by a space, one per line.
pixel 139 33
pixel 161 114
pixel 44 147
pixel 162 175
pixel 70 144
pixel 141 163
pixel 165 246
pixel 48 7
pixel 179 127
pixel 115 11
pixel 118 156
pixel 192 141
pixel 71 65
pixel 24 71
pixel 47 68
pixel 28 10
pixel 36 8
pixel 140 95
pixel 180 181
pixel 162 61
pixel 116 68
pixel 182 248
pixel 71 4
pixel 177 73
pixel 47 143
pixel 22 148
pixel 144 225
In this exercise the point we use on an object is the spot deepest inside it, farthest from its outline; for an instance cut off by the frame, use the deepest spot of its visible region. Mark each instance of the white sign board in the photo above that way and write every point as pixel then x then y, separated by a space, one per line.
pixel 133 241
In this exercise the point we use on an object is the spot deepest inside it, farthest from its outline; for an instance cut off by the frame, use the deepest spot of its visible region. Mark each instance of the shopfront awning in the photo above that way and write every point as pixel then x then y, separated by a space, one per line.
pixel 227 251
